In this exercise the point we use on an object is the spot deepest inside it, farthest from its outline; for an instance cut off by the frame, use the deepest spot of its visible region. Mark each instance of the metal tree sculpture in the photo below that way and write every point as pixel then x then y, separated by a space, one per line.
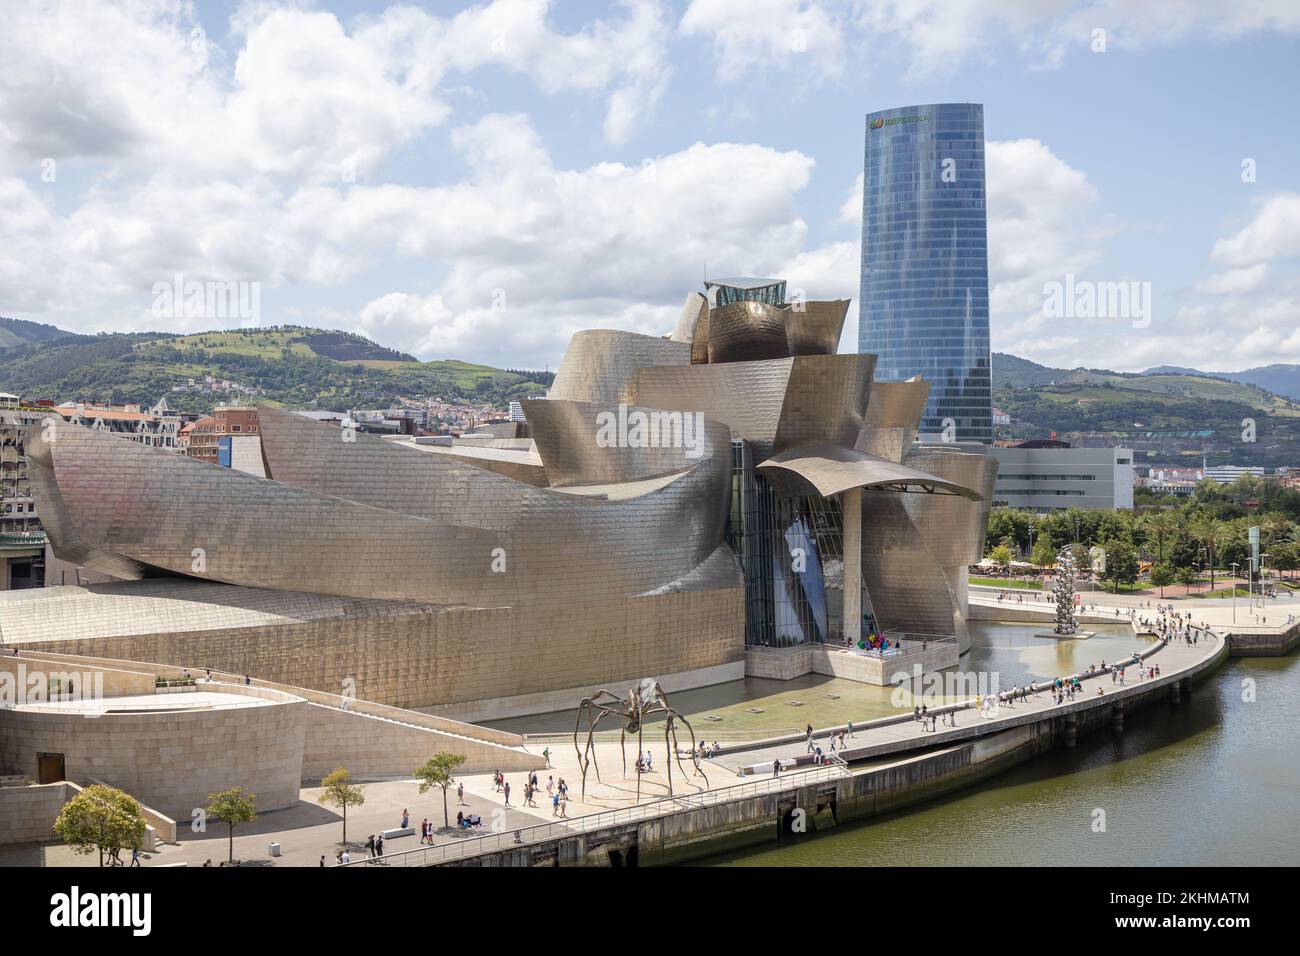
pixel 642 701
pixel 1065 621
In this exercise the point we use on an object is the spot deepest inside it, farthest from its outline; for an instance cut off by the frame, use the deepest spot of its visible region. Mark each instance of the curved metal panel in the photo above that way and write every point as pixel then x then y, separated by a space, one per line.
pixel 700 341
pixel 747 332
pixel 59 524
pixel 953 528
pixel 893 415
pixel 694 308
pixel 776 404
pixel 814 328
pixel 573 439
pixel 201 520
pixel 908 588
pixel 827 470
pixel 825 400
pixel 600 365
pixel 624 545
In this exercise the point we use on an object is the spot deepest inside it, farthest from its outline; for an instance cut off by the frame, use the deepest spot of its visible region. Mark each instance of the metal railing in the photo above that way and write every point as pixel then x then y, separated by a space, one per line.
pixel 517 837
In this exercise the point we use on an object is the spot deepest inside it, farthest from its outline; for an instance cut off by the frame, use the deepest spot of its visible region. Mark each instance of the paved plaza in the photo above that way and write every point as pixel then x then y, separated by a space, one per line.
pixel 308 830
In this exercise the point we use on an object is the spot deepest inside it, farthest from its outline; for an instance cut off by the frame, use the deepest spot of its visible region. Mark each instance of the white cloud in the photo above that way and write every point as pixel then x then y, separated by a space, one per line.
pixel 1233 280
pixel 938 36
pixel 942 34
pixel 1242 316
pixel 1273 233
pixel 1042 223
pixel 1248 314
pixel 851 209
pixel 531 251
pixel 830 271
pixel 753 35
pixel 539 252
pixel 305 95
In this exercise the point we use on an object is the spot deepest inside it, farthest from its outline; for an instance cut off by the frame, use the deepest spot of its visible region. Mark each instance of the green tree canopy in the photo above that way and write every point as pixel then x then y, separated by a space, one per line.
pixel 101 818
pixel 1162 575
pixel 232 807
pixel 1121 562
pixel 437 772
pixel 1002 556
pixel 340 792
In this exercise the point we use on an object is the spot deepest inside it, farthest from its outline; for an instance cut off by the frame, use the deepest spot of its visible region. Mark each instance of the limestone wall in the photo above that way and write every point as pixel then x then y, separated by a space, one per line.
pixel 27 814
pixel 421 656
pixel 787 663
pixel 30 672
pixel 168 760
pixel 371 747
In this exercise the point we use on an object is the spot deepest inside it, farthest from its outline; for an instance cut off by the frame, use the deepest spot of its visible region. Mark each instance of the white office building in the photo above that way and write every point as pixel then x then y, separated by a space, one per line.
pixel 1227 474
pixel 1051 476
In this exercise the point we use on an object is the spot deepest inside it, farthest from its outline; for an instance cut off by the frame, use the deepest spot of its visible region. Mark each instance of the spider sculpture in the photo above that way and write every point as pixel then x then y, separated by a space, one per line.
pixel 642 701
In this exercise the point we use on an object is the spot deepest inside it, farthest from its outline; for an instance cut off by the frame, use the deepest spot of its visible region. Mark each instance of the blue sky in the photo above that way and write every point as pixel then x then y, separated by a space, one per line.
pixel 479 181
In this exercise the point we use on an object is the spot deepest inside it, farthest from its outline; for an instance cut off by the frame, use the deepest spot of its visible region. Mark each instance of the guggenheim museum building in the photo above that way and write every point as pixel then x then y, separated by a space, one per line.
pixel 676 506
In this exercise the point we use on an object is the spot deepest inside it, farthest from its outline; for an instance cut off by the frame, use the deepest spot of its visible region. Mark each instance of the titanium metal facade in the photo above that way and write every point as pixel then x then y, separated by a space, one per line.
pixel 680 496
pixel 924 306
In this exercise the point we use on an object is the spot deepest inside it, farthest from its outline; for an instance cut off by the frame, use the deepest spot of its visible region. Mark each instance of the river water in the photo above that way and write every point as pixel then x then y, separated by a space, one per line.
pixel 1215 781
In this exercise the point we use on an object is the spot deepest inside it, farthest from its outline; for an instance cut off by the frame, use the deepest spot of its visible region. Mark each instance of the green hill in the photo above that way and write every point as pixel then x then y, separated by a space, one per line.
pixel 15 333
pixel 292 365
pixel 1167 418
pixel 1282 379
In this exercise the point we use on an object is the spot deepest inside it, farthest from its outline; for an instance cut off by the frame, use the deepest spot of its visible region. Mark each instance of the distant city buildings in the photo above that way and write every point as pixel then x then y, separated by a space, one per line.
pixel 157 427
pixel 924 305
pixel 202 439
pixel 1227 474
pixel 211 383
pixel 1051 476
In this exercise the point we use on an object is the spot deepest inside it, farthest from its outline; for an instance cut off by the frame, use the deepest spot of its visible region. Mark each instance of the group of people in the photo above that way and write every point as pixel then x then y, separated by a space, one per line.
pixel 839 737
pixel 1173 625
pixel 556 795
pixel 115 857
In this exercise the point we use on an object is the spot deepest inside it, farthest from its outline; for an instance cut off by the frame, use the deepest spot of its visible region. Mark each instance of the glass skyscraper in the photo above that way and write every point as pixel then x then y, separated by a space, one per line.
pixel 924 304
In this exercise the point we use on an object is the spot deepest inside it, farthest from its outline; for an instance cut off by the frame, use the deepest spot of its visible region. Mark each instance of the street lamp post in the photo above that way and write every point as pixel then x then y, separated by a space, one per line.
pixel 1234 591
pixel 1031 551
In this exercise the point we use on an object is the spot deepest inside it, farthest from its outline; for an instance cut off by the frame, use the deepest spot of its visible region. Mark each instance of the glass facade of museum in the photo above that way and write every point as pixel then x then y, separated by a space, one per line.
pixel 791 551
pixel 725 291
pixel 924 304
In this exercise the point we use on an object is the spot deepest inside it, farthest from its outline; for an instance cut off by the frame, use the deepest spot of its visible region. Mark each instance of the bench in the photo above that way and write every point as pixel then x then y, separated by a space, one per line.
pixel 399 832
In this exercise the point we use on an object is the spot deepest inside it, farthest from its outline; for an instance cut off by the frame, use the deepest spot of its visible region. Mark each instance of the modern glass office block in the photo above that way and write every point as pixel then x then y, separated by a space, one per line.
pixel 924 305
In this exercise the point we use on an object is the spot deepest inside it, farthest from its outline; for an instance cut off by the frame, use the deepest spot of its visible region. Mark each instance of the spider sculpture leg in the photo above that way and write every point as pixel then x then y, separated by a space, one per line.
pixel 600 702
pixel 591 743
pixel 640 749
pixel 668 756
pixel 583 708
pixel 694 745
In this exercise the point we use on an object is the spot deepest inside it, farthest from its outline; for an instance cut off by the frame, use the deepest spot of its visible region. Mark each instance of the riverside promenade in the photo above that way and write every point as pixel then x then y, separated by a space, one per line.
pixel 888 763
pixel 1258 628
